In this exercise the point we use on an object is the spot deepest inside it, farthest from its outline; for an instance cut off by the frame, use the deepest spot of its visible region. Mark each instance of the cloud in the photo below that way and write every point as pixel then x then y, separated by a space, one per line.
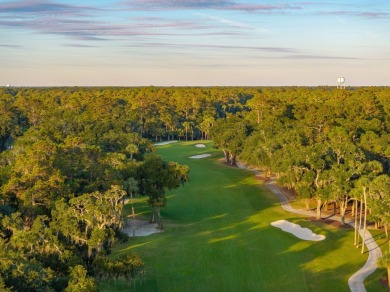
pixel 78 46
pixel 364 14
pixel 42 7
pixel 10 46
pixel 264 8
pixel 84 23
pixel 219 47
pixel 320 57
pixel 74 24
pixel 49 17
pixel 177 4
pixel 80 30
pixel 205 4
pixel 232 22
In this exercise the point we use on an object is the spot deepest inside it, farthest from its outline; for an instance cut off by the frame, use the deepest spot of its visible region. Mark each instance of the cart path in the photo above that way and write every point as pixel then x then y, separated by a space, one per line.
pixel 356 281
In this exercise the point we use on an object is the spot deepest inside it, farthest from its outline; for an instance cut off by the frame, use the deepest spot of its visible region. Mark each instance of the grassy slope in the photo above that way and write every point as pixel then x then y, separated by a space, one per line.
pixel 218 238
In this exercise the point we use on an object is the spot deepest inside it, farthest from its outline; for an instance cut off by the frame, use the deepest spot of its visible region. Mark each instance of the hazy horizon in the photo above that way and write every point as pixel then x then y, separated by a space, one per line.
pixel 194 43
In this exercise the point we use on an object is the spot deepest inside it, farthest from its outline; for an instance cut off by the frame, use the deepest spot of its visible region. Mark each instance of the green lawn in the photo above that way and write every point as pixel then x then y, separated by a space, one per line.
pixel 218 237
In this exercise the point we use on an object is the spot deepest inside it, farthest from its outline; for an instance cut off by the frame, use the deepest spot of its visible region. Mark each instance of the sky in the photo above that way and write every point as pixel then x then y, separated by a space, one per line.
pixel 194 43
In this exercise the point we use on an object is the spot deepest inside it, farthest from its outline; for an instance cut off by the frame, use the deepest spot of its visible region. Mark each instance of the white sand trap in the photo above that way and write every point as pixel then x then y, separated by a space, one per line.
pixel 297 230
pixel 200 145
pixel 164 143
pixel 200 156
pixel 142 228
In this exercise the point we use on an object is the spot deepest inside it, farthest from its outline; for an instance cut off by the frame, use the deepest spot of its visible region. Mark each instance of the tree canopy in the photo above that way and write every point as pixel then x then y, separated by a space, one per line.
pixel 69 156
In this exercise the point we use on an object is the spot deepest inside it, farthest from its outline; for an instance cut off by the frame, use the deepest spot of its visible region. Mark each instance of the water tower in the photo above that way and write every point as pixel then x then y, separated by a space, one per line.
pixel 340 82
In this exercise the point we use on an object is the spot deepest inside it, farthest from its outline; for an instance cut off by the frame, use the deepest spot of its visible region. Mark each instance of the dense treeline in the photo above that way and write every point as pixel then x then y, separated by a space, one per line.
pixel 152 112
pixel 331 146
pixel 69 156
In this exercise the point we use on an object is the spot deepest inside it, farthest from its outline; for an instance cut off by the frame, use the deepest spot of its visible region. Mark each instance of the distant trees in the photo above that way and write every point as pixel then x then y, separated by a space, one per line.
pixel 9 126
pixel 151 112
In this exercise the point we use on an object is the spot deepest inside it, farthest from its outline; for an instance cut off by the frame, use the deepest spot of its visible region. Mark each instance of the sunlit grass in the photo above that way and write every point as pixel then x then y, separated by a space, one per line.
pixel 218 237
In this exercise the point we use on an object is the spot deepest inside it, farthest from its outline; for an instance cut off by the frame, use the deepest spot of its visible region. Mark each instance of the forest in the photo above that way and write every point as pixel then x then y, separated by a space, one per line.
pixel 69 157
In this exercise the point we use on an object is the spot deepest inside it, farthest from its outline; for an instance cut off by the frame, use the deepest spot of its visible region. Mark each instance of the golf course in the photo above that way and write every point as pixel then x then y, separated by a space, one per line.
pixel 218 237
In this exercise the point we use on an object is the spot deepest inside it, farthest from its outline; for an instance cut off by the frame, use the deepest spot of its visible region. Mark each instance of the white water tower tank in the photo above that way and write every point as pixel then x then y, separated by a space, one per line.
pixel 340 82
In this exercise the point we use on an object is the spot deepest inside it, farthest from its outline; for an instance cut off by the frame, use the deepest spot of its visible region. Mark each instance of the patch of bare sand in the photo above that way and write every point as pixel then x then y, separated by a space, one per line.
pixel 297 230
pixel 142 228
pixel 164 143
pixel 200 156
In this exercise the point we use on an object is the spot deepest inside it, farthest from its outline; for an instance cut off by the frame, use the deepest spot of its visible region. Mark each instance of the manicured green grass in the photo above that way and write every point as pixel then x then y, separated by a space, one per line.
pixel 218 237
pixel 378 280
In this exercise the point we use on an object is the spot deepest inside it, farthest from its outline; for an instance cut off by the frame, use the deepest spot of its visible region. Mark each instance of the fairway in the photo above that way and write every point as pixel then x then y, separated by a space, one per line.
pixel 218 237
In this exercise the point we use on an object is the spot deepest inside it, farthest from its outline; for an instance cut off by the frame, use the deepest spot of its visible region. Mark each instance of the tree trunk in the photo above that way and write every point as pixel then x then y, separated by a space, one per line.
pixel 388 278
pixel 365 219
pixel 226 154
pixel 386 232
pixel 232 159
pixel 319 207
pixel 160 225
pixel 343 209
pixel 132 214
pixel 307 201
pixel 360 222
pixel 356 233
pixel 353 210
pixel 342 214
pixel 152 219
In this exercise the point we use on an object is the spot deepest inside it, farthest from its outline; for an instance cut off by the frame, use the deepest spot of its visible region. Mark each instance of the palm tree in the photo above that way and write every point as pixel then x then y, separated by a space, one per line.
pixel 372 169
pixel 187 126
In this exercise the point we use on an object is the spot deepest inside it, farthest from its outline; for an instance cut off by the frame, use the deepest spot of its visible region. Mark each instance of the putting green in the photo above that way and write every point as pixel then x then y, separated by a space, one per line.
pixel 218 237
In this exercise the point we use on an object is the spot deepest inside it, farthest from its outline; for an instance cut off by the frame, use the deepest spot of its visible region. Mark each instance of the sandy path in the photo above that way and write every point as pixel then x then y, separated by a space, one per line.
pixel 356 281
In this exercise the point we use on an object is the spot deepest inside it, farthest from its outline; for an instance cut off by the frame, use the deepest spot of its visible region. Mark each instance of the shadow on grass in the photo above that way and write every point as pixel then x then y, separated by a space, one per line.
pixel 240 252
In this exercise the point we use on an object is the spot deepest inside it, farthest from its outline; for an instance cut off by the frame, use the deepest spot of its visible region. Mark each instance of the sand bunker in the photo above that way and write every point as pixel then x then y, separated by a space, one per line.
pixel 142 228
pixel 200 156
pixel 164 143
pixel 200 145
pixel 297 230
